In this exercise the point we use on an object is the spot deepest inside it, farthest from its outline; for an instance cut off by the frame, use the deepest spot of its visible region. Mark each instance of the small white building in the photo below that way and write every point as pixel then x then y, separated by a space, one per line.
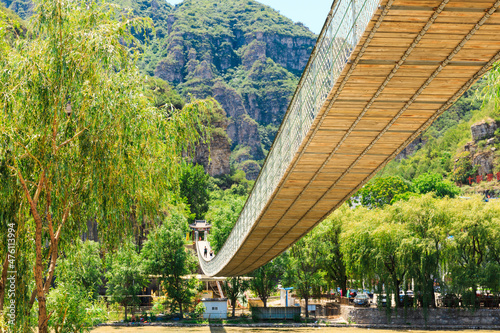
pixel 215 308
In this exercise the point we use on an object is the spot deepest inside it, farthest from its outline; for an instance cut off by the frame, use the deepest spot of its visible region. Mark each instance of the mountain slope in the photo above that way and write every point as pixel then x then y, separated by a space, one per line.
pixel 243 53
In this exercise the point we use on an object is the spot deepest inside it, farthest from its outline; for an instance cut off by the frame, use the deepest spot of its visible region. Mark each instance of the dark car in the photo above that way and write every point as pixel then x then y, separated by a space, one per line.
pixel 361 300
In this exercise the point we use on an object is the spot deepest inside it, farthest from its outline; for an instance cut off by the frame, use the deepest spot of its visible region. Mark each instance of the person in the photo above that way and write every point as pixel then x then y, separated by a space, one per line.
pixel 211 253
pixel 205 251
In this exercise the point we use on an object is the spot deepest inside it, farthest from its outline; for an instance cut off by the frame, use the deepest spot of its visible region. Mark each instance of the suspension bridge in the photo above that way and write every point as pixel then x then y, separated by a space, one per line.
pixel 381 72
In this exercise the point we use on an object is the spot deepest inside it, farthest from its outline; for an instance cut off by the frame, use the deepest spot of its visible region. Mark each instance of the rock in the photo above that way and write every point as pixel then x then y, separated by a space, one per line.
pixel 170 68
pixel 470 147
pixel 253 52
pixel 490 142
pixel 484 161
pixel 230 99
pixel 216 160
pixel 247 132
pixel 484 129
pixel 251 169
pixel 204 71
pixel 411 149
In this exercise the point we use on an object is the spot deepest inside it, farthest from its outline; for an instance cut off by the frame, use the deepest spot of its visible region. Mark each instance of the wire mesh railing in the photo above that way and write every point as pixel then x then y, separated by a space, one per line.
pixel 343 29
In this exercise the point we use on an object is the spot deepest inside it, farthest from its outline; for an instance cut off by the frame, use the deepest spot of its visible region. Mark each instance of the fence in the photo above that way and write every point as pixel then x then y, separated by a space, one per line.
pixel 284 312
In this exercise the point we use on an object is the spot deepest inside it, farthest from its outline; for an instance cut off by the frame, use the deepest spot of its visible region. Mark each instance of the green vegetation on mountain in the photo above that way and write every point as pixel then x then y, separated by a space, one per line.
pixel 23 8
pixel 449 147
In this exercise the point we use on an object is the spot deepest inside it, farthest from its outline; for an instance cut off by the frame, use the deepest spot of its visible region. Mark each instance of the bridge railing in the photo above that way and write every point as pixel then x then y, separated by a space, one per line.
pixel 343 28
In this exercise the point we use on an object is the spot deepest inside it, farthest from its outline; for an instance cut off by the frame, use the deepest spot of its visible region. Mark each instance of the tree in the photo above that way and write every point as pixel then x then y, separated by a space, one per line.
pixel 194 187
pixel 331 256
pixel 82 267
pixel 304 269
pixel 467 248
pixel 382 191
pixel 265 279
pixel 433 182
pixel 223 213
pixel 164 254
pixel 125 276
pixel 233 288
pixel 78 135
pixel 422 249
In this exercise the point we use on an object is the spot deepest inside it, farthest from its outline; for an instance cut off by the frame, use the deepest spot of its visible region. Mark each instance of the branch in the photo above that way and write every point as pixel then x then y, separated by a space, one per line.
pixel 29 153
pixel 70 140
pixel 33 209
pixel 39 188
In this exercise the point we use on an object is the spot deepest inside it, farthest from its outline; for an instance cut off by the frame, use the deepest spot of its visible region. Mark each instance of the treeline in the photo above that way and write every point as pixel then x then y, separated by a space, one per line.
pixel 430 244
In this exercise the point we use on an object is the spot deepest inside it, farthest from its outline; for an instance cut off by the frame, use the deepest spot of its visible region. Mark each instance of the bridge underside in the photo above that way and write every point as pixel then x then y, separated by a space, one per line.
pixel 414 59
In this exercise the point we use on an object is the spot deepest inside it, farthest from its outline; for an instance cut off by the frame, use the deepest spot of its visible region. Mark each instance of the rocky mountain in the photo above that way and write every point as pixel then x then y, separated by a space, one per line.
pixel 244 54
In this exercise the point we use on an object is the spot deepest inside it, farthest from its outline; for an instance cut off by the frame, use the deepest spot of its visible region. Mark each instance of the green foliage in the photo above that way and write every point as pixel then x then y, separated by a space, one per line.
pixel 267 134
pixel 432 182
pixel 90 146
pixel 265 279
pixel 164 254
pixel 233 289
pixel 162 95
pixel 221 18
pixel 223 212
pixel 74 309
pixel 382 191
pixel 23 8
pixel 194 187
pixel 331 257
pixel 464 168
pixel 82 267
pixel 470 245
pixel 419 241
pixel 12 27
pixel 125 276
pixel 304 268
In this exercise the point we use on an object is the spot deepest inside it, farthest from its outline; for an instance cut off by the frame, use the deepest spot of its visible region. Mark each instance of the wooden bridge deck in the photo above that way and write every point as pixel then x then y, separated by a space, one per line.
pixel 415 58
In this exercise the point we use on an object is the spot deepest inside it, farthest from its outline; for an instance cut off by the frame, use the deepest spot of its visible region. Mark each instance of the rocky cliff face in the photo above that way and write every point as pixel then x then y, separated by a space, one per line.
pixel 215 159
pixel 484 129
pixel 244 54
pixel 482 151
pixel 411 148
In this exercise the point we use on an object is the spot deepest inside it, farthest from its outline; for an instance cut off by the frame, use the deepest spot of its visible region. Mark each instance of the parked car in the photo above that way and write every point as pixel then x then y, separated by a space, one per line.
pixel 362 300
pixel 369 293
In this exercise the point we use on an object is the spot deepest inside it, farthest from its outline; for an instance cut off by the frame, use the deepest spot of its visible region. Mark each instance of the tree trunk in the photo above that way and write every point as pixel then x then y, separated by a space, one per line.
pixel 343 286
pixel 397 283
pixel 125 313
pixel 234 307
pixel 264 300
pixel 42 306
pixel 307 305
pixel 180 309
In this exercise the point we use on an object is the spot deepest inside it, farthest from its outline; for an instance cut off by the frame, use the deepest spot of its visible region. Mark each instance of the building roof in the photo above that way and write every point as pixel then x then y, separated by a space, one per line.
pixel 214 299
pixel 200 224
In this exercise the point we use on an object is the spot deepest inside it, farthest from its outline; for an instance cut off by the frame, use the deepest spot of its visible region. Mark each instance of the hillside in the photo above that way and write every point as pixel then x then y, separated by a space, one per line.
pixel 463 145
pixel 246 55
pixel 243 53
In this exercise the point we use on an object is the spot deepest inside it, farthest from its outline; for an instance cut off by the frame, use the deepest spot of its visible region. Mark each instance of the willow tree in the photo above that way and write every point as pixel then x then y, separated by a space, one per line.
pixel 79 139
